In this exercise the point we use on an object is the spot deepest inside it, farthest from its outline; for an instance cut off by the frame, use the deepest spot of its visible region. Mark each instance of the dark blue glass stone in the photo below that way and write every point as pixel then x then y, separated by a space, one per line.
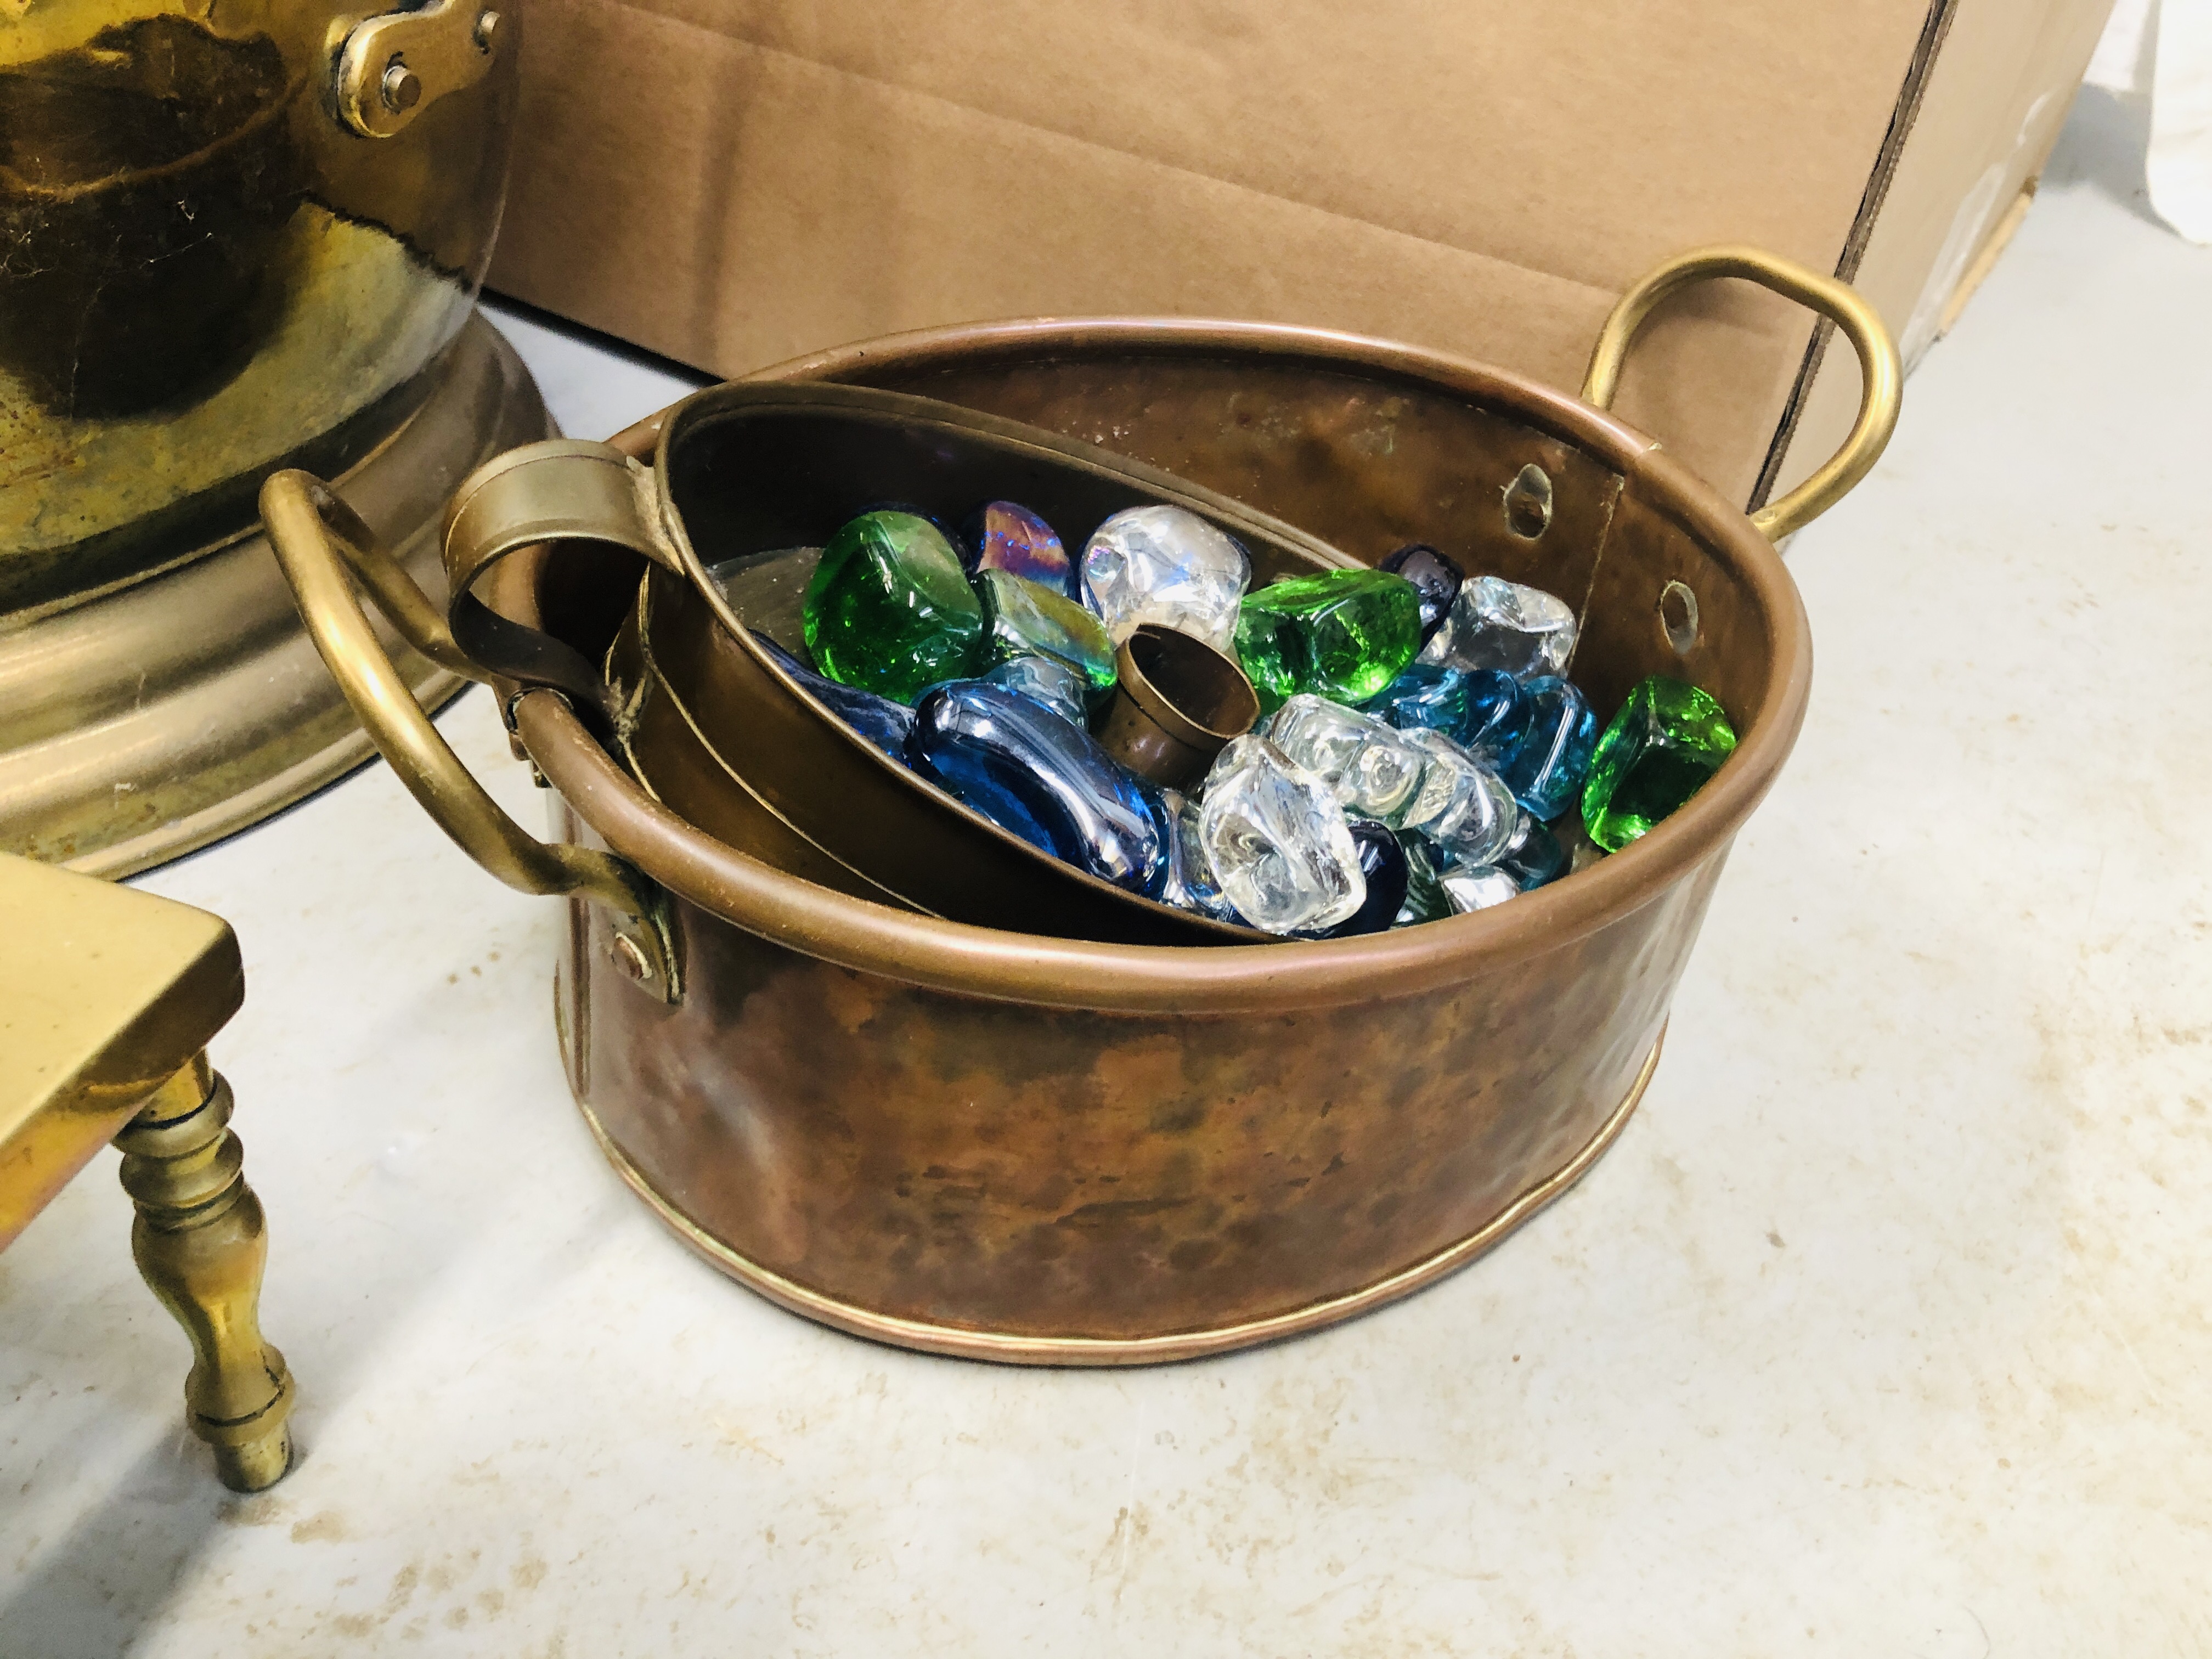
pixel 1546 769
pixel 1383 861
pixel 1534 858
pixel 1429 693
pixel 1437 577
pixel 1497 715
pixel 881 721
pixel 1425 898
pixel 1028 771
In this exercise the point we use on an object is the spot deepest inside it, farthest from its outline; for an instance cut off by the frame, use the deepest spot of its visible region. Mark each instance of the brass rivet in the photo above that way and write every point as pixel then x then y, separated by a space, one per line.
pixel 1678 616
pixel 1529 502
pixel 487 29
pixel 402 88
pixel 631 959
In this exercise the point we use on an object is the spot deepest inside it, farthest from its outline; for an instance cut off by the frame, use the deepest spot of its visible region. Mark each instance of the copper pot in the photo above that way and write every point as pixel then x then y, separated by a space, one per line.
pixel 1010 1148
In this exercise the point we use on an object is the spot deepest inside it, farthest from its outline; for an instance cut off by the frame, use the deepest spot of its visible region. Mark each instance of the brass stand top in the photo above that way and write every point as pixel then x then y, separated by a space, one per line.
pixel 104 993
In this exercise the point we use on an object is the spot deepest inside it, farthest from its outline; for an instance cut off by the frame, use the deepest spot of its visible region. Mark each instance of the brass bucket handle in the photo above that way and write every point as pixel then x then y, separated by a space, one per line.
pixel 1880 375
pixel 324 547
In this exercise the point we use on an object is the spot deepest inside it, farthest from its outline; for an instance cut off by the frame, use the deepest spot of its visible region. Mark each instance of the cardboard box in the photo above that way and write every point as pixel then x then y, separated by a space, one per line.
pixel 733 182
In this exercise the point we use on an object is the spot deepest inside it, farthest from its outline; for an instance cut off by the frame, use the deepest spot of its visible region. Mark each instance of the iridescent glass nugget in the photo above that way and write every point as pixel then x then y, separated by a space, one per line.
pixel 1343 634
pixel 1028 770
pixel 1277 842
pixel 881 721
pixel 1006 536
pixel 1496 623
pixel 1546 768
pixel 1372 770
pixel 1436 576
pixel 1022 618
pixel 1667 738
pixel 889 610
pixel 1164 565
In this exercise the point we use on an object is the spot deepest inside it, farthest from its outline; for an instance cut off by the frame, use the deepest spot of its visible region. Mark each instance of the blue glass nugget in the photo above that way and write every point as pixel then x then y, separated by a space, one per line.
pixel 1431 695
pixel 1551 754
pixel 1028 771
pixel 881 721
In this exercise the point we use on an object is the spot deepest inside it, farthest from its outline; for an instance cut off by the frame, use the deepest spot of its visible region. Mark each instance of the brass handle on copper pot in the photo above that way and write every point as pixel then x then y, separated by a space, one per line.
pixel 1881 375
pixel 324 547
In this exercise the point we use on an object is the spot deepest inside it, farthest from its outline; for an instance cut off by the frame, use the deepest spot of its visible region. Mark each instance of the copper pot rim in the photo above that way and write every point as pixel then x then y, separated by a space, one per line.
pixel 961 959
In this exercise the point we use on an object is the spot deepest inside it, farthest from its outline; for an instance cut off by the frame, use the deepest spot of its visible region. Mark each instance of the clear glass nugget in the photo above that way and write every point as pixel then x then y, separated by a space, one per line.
pixel 1277 842
pixel 1500 624
pixel 1462 807
pixel 1373 771
pixel 1162 564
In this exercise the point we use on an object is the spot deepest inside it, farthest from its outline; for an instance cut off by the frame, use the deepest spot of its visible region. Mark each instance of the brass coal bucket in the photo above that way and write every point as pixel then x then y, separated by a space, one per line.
pixel 233 238
pixel 1017 1148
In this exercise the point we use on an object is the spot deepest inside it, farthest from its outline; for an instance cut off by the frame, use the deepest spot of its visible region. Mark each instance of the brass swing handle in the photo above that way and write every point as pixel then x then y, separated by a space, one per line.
pixel 393 66
pixel 325 549
pixel 1882 376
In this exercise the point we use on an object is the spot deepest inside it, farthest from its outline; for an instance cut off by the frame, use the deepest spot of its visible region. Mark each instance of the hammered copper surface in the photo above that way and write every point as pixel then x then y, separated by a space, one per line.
pixel 1007 1147
pixel 1360 451
pixel 1098 1175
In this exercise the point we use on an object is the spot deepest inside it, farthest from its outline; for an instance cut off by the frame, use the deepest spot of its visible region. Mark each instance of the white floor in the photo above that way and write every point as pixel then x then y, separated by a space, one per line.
pixel 1886 1329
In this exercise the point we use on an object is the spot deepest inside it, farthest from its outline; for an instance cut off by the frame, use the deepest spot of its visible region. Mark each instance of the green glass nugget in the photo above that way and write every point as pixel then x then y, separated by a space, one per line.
pixel 1343 634
pixel 1667 738
pixel 889 610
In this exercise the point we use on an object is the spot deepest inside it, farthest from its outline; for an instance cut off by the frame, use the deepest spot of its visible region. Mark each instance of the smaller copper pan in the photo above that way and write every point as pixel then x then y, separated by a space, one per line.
pixel 725 735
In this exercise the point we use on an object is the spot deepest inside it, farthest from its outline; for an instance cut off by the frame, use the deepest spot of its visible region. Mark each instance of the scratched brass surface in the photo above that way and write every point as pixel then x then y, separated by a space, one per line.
pixel 154 719
pixel 201 1243
pixel 208 271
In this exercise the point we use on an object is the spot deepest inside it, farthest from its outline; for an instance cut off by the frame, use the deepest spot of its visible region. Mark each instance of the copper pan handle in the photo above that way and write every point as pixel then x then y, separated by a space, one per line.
pixel 324 548
pixel 1881 377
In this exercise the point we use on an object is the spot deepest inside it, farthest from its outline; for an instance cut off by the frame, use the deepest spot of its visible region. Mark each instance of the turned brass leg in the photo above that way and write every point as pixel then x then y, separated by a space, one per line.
pixel 200 1244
